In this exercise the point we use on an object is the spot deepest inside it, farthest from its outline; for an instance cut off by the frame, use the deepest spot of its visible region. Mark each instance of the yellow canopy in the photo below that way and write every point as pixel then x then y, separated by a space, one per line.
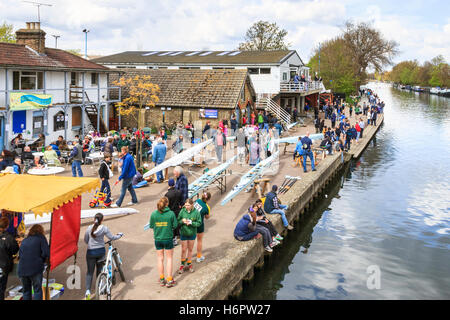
pixel 41 194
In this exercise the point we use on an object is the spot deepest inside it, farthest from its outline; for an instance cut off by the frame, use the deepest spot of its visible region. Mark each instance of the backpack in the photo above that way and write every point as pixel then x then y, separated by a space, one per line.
pixel 110 173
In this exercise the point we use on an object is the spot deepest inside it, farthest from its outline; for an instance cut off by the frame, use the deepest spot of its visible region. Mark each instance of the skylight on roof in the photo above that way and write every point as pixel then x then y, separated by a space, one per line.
pixel 205 53
pixel 223 53
pixel 166 53
pixel 192 53
pixel 176 53
pixel 149 53
pixel 234 54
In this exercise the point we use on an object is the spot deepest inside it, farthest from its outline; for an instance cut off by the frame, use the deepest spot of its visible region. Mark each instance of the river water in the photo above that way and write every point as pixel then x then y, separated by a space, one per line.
pixel 383 231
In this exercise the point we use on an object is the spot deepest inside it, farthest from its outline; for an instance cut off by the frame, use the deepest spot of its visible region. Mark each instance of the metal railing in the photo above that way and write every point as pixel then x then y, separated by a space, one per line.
pixel 272 107
pixel 300 87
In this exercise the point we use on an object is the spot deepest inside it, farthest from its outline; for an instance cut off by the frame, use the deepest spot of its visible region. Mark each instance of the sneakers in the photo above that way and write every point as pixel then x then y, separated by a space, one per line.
pixel 162 282
pixel 190 268
pixel 132 204
pixel 268 249
pixel 289 227
pixel 170 283
pixel 114 206
pixel 87 295
pixel 274 243
pixel 181 269
pixel 201 259
pixel 278 237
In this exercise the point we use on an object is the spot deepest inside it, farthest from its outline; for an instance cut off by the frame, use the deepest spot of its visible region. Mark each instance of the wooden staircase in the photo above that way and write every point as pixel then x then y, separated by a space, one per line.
pixel 76 97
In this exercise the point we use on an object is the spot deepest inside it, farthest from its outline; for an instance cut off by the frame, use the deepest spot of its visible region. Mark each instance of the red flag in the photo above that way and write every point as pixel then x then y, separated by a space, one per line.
pixel 65 232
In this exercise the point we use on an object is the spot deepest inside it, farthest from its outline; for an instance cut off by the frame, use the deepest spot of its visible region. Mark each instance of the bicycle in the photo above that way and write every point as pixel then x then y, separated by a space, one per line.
pixel 107 277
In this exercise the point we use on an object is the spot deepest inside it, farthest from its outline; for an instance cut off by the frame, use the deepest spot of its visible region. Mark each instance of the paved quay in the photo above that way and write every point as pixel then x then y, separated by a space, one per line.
pixel 227 261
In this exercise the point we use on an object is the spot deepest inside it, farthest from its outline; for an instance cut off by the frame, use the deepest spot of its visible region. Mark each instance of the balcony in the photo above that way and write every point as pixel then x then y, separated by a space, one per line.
pixel 301 87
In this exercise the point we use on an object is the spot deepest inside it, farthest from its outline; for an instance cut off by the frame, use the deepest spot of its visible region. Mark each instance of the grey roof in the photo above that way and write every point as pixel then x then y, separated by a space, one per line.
pixel 203 57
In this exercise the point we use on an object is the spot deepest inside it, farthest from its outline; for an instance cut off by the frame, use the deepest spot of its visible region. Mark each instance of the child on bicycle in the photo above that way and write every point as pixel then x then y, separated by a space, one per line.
pixel 190 219
pixel 163 221
pixel 94 238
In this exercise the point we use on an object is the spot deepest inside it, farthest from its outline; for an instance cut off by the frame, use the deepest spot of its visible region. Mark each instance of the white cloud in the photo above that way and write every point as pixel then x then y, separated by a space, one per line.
pixel 121 25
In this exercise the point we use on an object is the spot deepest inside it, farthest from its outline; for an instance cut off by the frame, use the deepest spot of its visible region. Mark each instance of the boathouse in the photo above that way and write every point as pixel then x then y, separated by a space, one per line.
pixel 192 94
pixel 49 91
pixel 272 73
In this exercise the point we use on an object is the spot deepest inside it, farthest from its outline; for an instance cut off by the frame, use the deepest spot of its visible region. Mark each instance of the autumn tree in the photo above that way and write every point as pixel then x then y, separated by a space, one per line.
pixel 140 93
pixel 368 48
pixel 263 35
pixel 6 33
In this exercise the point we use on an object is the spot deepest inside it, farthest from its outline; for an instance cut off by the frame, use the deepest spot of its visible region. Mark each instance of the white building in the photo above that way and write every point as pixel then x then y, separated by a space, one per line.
pixel 78 89
pixel 271 72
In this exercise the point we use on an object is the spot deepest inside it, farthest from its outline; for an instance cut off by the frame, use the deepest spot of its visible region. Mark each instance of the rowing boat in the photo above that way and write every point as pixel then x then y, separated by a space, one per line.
pixel 256 172
pixel 208 177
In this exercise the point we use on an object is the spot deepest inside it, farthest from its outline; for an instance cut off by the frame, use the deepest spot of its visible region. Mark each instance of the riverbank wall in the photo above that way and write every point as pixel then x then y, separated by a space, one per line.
pixel 223 278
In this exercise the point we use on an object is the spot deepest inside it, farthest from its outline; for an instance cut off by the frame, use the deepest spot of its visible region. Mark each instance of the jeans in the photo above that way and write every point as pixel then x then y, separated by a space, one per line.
pixel 247 237
pixel 127 184
pixel 267 238
pixel 159 174
pixel 347 143
pixel 105 188
pixel 311 156
pixel 34 281
pixel 219 153
pixel 281 212
pixel 76 166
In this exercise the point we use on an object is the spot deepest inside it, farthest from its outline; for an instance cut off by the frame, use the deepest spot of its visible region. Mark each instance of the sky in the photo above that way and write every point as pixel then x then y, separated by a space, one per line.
pixel 422 28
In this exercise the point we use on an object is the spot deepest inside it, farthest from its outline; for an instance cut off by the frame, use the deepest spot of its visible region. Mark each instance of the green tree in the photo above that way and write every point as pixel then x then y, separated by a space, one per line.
pixel 264 35
pixel 337 69
pixel 6 33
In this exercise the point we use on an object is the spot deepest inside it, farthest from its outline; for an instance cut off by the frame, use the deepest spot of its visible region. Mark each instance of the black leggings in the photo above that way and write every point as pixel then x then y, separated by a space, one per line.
pixel 93 262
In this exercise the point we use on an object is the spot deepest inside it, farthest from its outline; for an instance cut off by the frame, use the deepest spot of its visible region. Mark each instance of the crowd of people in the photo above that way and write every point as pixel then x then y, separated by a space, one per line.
pixel 177 219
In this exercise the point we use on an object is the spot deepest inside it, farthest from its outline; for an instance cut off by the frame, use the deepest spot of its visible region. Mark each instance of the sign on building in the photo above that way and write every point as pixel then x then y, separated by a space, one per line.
pixel 208 113
pixel 27 101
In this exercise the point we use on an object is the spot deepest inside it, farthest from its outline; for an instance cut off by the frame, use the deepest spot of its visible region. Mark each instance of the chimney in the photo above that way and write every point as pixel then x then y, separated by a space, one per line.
pixel 32 36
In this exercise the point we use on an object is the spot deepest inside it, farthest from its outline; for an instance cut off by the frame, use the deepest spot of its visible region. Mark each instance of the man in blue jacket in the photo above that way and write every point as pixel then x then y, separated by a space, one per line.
pixel 127 174
pixel 158 157
pixel 272 205
pixel 306 145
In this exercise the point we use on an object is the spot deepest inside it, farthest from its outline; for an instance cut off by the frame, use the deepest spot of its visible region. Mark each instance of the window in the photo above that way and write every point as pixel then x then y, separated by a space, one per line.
pixel 284 76
pixel 264 71
pixel 58 121
pixel 94 81
pixel 253 70
pixel 25 80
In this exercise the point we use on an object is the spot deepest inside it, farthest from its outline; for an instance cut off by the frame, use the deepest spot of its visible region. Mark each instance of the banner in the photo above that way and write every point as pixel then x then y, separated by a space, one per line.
pixel 208 113
pixel 27 101
pixel 65 232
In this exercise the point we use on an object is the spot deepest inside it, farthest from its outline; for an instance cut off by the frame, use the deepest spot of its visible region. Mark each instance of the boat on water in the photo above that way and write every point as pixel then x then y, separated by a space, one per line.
pixel 435 90
pixel 417 89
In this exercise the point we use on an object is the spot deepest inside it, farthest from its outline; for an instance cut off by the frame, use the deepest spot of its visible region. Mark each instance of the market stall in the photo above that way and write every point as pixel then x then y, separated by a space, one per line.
pixel 60 196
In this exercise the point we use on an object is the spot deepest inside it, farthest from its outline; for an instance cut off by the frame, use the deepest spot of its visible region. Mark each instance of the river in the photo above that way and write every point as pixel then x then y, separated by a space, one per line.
pixel 382 231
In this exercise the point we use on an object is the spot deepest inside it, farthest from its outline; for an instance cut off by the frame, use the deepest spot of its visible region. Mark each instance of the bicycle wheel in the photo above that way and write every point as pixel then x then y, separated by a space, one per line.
pixel 119 267
pixel 101 288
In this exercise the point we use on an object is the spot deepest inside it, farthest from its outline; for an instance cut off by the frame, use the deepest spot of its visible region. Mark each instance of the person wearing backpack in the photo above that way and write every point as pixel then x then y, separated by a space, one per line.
pixel 105 174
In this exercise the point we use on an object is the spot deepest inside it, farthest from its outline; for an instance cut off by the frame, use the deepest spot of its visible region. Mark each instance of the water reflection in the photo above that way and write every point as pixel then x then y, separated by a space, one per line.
pixel 390 209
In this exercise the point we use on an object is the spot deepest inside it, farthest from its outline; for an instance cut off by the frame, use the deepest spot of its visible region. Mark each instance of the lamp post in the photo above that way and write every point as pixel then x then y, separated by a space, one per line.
pixel 318 96
pixel 85 42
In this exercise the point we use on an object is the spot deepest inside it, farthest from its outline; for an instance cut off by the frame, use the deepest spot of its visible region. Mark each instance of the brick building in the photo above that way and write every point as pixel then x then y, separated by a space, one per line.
pixel 193 94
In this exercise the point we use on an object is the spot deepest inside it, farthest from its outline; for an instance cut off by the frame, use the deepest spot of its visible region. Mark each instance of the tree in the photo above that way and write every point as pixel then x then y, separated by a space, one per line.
pixel 337 69
pixel 6 33
pixel 140 93
pixel 263 35
pixel 368 47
